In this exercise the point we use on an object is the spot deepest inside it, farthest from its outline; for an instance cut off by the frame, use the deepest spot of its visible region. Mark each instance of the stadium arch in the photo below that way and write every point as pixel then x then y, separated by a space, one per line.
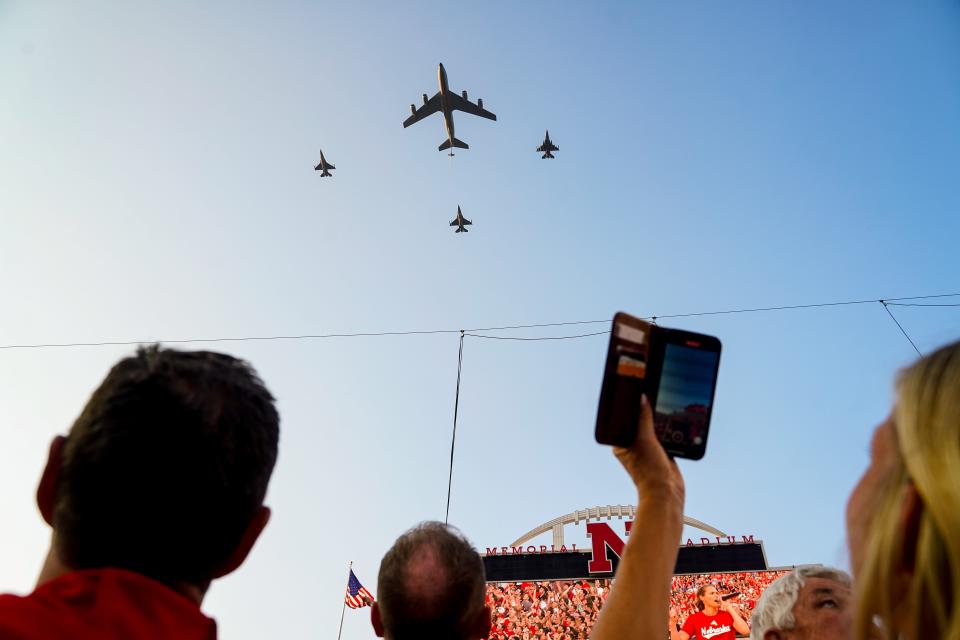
pixel 609 512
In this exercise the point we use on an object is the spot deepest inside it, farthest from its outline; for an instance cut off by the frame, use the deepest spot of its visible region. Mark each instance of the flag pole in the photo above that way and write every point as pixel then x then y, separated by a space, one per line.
pixel 344 609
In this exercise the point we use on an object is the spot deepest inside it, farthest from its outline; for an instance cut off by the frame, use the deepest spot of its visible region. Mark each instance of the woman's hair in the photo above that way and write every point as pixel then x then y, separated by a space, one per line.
pixel 927 425
pixel 702 590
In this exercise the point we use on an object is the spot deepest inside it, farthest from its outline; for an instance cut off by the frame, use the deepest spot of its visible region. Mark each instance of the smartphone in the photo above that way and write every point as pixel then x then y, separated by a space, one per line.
pixel 676 369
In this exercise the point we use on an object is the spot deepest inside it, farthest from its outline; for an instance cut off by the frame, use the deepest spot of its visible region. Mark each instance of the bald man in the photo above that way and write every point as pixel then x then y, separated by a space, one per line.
pixel 431 585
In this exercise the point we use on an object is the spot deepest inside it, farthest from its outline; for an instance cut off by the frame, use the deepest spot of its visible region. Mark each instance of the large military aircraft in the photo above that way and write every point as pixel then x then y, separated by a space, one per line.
pixel 447 102
pixel 461 222
pixel 324 167
pixel 547 147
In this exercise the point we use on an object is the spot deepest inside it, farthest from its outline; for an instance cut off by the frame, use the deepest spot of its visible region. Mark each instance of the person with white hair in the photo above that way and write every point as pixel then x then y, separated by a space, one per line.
pixel 812 601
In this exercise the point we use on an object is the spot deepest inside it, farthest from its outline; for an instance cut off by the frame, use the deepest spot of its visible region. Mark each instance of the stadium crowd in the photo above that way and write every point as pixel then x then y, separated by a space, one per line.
pixel 566 610
pixel 749 586
pixel 545 610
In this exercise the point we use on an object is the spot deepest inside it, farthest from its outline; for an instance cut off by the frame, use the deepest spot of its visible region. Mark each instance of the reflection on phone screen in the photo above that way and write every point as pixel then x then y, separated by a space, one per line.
pixel 686 389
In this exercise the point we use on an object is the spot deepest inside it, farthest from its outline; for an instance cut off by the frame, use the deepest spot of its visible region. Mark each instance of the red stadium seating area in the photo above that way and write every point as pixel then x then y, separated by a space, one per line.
pixel 566 610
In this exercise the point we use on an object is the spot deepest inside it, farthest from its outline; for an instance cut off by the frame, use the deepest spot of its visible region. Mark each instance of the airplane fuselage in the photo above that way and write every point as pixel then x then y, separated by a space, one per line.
pixel 547 148
pixel 447 111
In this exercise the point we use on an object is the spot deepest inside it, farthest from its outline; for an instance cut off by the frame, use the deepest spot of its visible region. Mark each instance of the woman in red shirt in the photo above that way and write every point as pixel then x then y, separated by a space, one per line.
pixel 717 619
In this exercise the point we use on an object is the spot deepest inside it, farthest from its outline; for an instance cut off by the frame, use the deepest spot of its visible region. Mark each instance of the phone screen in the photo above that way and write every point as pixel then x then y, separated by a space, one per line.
pixel 683 407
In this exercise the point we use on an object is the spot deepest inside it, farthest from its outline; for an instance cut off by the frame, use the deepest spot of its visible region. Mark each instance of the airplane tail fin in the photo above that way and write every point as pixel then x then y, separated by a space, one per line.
pixel 460 144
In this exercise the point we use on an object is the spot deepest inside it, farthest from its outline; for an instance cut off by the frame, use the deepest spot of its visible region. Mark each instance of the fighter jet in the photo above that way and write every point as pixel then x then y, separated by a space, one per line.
pixel 460 223
pixel 324 167
pixel 547 147
pixel 447 102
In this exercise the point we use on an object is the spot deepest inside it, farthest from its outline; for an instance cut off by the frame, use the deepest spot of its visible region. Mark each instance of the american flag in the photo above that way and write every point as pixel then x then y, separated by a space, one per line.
pixel 357 596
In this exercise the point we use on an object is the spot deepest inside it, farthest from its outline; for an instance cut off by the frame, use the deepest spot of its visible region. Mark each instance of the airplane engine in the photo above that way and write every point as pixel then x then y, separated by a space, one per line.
pixel 413 109
pixel 425 99
pixel 479 102
pixel 464 94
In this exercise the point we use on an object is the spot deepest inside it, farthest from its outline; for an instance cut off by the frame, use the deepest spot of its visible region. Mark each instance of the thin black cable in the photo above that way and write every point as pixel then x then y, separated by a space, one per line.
pixel 910 304
pixel 939 295
pixel 534 326
pixel 453 440
pixel 442 331
pixel 708 313
pixel 582 335
pixel 797 306
pixel 318 336
pixel 902 330
pixel 758 309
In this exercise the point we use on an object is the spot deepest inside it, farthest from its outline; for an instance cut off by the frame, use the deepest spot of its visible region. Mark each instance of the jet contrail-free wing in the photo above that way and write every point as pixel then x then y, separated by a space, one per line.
pixel 429 108
pixel 460 103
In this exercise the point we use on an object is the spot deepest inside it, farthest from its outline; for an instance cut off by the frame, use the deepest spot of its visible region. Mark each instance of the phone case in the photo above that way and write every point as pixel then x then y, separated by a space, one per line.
pixel 626 377
pixel 635 365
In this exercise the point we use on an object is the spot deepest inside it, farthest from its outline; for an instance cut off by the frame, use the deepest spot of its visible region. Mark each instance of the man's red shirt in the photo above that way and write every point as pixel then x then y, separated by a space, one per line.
pixel 103 603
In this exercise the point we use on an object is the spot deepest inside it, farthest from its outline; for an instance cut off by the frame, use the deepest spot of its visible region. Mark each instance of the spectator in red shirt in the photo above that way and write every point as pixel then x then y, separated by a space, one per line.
pixel 156 491
pixel 717 619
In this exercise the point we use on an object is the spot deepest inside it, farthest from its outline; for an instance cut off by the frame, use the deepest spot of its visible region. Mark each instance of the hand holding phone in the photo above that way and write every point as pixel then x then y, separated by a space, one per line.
pixel 646 462
pixel 675 369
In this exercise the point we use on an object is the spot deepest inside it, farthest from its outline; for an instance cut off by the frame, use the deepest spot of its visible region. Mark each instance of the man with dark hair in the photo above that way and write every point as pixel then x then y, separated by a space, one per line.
pixel 431 586
pixel 156 491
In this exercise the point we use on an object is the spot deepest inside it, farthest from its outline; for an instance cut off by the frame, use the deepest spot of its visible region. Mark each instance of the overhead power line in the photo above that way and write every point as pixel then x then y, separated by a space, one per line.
pixel 464 333
pixel 317 336
pixel 474 331
pixel 908 304
pixel 538 326
pixel 800 306
pixel 453 438
pixel 579 335
pixel 902 330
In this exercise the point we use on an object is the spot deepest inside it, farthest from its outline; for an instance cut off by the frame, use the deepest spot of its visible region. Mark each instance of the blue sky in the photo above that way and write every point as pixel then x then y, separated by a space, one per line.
pixel 156 182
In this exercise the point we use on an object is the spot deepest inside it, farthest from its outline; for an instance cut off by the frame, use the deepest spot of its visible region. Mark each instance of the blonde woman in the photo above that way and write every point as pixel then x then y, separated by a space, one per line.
pixel 903 518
